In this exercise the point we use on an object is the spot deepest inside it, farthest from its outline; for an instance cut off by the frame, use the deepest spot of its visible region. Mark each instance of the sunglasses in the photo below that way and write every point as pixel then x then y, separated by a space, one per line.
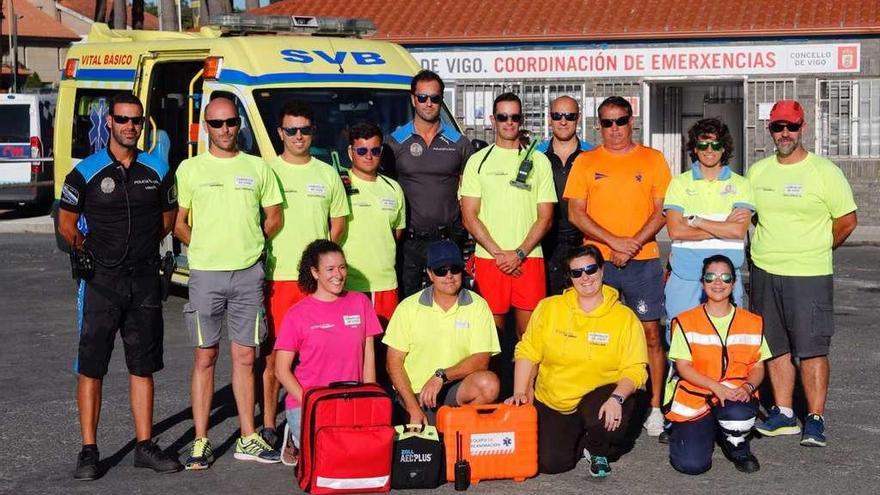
pixel 291 131
pixel 124 119
pixel 503 117
pixel 362 151
pixel 710 277
pixel 704 145
pixel 791 126
pixel 422 98
pixel 443 270
pixel 218 123
pixel 620 121
pixel 578 272
pixel 569 116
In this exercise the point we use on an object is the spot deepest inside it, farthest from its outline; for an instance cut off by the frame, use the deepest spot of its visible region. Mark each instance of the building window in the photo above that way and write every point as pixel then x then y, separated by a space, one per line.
pixel 849 118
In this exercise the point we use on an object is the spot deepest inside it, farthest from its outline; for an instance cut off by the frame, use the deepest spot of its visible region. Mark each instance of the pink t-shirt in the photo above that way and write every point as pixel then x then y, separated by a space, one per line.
pixel 328 338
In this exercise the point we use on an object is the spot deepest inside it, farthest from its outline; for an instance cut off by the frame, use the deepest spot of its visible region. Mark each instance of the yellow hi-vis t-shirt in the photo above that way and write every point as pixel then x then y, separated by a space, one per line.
pixel 578 352
pixel 434 339
pixel 377 210
pixel 225 197
pixel 313 193
pixel 508 212
pixel 796 205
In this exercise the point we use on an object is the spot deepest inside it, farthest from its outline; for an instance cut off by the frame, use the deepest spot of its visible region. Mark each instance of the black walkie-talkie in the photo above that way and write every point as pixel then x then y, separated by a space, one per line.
pixel 462 467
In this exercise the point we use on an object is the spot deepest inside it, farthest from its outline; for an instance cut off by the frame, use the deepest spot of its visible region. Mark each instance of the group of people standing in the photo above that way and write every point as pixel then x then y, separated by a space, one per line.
pixel 352 279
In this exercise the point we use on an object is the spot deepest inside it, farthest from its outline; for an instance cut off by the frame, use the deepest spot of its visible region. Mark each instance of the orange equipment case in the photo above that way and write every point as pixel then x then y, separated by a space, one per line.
pixel 500 441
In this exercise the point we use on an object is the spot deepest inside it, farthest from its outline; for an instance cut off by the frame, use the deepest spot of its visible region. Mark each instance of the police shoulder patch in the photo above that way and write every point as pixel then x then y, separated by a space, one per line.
pixel 69 195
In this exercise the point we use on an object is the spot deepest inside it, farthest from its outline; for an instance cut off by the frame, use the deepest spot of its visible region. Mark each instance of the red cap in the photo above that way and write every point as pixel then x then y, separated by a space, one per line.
pixel 787 110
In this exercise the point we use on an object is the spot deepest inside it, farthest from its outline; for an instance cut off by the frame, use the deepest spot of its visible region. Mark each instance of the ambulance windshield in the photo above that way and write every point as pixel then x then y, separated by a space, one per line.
pixel 335 110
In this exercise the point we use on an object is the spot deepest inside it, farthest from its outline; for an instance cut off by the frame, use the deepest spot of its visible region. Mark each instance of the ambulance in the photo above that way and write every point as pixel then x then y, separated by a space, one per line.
pixel 262 60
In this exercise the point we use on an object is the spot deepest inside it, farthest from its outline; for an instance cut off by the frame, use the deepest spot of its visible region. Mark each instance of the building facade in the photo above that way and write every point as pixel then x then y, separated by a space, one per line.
pixel 676 62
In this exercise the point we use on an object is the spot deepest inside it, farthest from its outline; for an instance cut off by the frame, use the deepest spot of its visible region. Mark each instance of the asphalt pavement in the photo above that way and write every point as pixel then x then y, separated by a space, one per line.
pixel 39 432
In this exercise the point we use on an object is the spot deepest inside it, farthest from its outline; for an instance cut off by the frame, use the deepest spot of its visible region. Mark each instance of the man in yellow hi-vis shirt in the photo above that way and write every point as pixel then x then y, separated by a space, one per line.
pixel 805 210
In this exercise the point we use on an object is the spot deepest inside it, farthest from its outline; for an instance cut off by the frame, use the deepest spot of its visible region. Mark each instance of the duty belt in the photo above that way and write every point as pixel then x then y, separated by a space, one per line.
pixel 440 233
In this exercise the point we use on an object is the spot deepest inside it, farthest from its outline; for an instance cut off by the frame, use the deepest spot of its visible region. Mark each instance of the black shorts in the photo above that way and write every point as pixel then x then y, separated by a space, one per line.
pixel 132 304
pixel 641 287
pixel 798 312
pixel 447 396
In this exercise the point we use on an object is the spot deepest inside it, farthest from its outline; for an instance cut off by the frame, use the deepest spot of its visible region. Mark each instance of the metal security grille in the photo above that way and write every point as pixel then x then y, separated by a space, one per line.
pixel 474 104
pixel 762 94
pixel 596 92
pixel 848 120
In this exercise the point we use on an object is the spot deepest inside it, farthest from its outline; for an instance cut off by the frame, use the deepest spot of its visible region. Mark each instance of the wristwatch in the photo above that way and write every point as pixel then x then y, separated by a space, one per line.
pixel 692 220
pixel 520 254
pixel 619 398
pixel 441 374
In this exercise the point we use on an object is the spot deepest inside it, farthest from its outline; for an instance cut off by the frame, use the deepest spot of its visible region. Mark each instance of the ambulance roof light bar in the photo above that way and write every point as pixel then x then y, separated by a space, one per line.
pixel 295 24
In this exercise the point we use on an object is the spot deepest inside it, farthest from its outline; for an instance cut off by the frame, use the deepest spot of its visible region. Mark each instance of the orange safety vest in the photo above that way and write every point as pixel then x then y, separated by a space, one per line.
pixel 728 362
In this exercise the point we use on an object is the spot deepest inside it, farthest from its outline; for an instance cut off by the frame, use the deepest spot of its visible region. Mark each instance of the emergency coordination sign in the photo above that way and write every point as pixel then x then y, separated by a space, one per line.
pixel 641 62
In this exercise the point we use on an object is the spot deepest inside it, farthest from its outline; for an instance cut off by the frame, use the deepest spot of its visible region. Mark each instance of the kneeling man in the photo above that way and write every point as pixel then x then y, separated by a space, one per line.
pixel 440 340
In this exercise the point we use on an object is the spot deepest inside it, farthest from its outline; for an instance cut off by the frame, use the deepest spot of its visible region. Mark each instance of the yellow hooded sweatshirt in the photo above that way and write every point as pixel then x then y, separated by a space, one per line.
pixel 579 352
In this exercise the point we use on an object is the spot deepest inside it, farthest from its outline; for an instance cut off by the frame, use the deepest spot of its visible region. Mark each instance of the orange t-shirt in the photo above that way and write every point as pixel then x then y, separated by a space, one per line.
pixel 620 190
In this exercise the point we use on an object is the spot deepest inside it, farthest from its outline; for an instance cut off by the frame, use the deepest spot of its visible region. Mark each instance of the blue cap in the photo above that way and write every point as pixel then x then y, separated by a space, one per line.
pixel 444 253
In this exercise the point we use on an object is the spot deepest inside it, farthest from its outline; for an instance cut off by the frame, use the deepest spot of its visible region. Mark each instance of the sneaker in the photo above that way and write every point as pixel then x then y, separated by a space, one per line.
pixel 599 466
pixel 289 452
pixel 149 455
pixel 777 424
pixel 664 438
pixel 654 423
pixel 270 436
pixel 87 464
pixel 747 464
pixel 201 456
pixel 814 431
pixel 254 448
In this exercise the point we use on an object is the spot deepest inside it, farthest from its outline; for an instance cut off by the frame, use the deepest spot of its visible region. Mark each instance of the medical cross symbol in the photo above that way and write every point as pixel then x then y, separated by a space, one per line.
pixel 98 133
pixel 506 441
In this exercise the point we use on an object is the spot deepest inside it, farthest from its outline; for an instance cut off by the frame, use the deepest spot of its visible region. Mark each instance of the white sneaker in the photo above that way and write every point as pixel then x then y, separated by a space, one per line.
pixel 654 423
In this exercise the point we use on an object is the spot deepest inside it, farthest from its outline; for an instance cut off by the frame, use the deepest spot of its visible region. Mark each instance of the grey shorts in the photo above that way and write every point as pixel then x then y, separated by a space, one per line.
pixel 640 283
pixel 235 296
pixel 798 312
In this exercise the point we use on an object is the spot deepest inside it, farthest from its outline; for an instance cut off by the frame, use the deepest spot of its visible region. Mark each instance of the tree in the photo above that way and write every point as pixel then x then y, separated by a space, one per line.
pixel 137 14
pixel 119 14
pixel 100 11
pixel 169 15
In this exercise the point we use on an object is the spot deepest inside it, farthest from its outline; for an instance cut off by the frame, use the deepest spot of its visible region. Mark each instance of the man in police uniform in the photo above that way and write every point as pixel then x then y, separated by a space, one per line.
pixel 115 208
pixel 440 341
pixel 236 202
pixel 427 157
pixel 562 149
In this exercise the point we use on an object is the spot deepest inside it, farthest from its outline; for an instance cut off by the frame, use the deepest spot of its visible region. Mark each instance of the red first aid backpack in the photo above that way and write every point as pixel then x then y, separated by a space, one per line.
pixel 347 439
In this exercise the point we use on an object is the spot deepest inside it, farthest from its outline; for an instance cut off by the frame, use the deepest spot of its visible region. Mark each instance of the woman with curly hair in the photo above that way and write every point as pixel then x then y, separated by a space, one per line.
pixel 708 209
pixel 331 331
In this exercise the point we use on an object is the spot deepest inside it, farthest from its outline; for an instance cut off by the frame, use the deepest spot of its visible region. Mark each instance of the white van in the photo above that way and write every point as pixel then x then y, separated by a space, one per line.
pixel 26 133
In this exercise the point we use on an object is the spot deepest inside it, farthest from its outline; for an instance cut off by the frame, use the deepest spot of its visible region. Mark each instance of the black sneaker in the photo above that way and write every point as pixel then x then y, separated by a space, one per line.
pixel 87 464
pixel 747 464
pixel 270 436
pixel 149 455
pixel 664 438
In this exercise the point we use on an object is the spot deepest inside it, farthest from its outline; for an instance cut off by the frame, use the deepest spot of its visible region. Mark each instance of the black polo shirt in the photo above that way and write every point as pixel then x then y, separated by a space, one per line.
pixel 429 175
pixel 561 225
pixel 97 189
